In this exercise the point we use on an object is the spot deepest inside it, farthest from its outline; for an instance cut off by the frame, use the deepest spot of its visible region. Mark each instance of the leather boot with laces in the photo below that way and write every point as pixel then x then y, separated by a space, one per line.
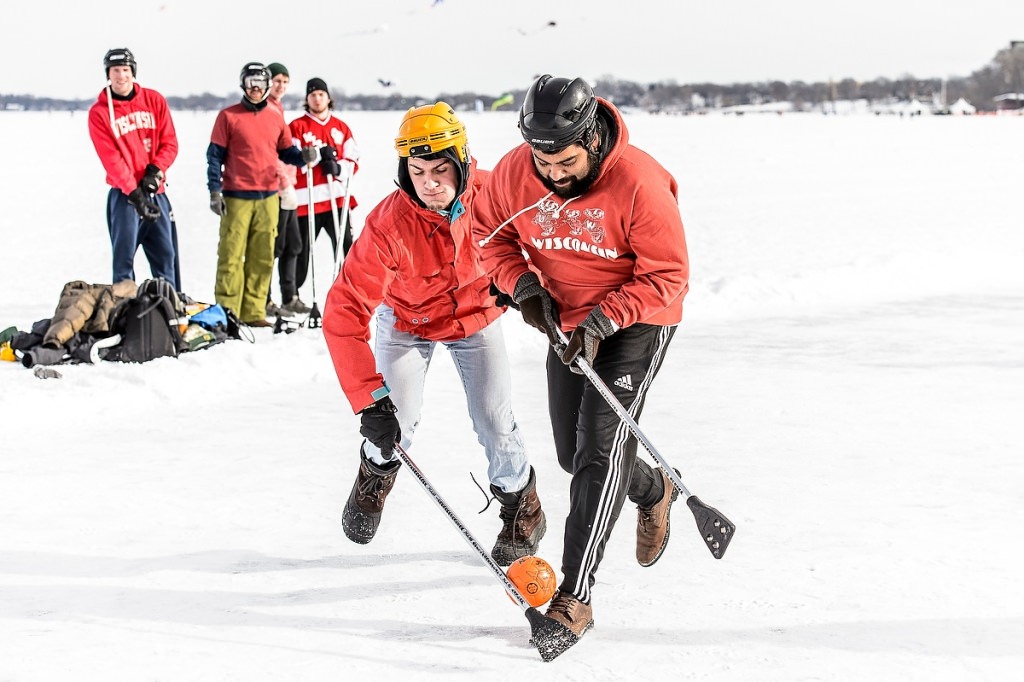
pixel 565 622
pixel 652 525
pixel 296 306
pixel 523 523
pixel 366 501
pixel 571 612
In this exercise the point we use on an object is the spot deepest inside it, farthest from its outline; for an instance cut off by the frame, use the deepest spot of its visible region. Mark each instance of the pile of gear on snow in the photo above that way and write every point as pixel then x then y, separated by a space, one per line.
pixel 119 322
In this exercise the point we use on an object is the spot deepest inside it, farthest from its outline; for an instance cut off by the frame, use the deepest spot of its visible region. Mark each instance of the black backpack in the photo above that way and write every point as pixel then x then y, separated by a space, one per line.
pixel 149 324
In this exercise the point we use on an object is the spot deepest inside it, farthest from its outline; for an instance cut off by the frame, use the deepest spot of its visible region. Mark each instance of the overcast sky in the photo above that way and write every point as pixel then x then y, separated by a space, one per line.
pixel 426 47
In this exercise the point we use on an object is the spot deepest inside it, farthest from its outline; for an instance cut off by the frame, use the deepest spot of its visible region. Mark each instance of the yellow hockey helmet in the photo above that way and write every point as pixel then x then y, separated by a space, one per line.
pixel 429 129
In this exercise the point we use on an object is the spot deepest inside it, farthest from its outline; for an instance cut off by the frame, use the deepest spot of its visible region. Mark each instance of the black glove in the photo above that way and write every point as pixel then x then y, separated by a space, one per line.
pixel 150 183
pixel 501 299
pixel 537 307
pixel 329 161
pixel 310 155
pixel 380 426
pixel 147 210
pixel 217 204
pixel 594 328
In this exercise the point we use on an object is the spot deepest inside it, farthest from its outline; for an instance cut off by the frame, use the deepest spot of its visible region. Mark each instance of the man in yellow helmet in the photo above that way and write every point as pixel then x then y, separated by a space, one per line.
pixel 415 267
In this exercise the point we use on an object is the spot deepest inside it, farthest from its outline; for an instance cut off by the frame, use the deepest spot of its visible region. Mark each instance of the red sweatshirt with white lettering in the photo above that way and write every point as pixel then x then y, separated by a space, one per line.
pixel 620 245
pixel 130 135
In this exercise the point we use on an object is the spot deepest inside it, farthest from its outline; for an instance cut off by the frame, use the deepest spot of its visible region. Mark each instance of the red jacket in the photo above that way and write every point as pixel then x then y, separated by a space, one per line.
pixel 621 245
pixel 308 130
pixel 140 133
pixel 417 262
pixel 252 140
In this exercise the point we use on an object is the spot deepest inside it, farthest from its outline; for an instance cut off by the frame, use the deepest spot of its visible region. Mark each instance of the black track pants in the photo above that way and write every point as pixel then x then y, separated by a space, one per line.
pixel 596 447
pixel 322 221
pixel 287 250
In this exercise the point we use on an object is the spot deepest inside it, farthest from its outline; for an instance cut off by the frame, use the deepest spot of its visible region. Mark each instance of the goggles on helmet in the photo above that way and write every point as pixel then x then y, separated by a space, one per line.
pixel 255 80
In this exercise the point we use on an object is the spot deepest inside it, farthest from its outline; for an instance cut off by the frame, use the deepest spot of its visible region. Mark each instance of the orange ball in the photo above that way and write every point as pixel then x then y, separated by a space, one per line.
pixel 534 578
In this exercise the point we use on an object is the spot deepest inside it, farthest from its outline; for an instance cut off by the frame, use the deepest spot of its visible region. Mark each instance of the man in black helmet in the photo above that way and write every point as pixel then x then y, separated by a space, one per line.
pixel 584 230
pixel 247 140
pixel 132 131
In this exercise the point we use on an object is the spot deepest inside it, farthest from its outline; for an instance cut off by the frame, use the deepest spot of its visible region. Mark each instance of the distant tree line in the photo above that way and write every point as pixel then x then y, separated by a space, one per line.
pixel 1003 74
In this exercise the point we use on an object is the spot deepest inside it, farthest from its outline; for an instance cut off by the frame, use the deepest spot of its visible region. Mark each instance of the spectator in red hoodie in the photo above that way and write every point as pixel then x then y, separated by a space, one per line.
pixel 134 136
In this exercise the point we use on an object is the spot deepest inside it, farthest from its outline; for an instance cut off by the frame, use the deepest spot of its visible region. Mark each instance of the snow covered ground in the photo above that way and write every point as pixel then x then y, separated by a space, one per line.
pixel 847 386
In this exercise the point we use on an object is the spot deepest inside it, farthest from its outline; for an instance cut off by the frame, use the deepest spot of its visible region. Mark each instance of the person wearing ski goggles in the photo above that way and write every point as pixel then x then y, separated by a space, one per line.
pixel 247 141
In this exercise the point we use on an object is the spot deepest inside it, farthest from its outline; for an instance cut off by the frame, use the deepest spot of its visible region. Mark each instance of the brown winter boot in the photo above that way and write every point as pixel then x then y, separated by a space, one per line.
pixel 652 525
pixel 366 501
pixel 523 523
pixel 571 612
pixel 565 622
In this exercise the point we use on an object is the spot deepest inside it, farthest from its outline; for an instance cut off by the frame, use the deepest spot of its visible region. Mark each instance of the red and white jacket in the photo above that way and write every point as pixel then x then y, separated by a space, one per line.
pixel 308 130
pixel 420 264
pixel 285 171
pixel 132 134
pixel 620 245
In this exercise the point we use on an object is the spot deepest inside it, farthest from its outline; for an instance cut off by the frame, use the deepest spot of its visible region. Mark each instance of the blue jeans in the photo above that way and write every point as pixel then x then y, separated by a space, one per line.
pixel 128 232
pixel 482 363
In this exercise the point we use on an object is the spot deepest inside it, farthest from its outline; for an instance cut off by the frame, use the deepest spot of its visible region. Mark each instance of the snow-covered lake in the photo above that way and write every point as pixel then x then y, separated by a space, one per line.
pixel 846 386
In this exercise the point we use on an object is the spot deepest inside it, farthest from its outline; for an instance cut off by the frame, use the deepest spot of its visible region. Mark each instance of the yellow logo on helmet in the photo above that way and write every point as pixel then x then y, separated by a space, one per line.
pixel 429 129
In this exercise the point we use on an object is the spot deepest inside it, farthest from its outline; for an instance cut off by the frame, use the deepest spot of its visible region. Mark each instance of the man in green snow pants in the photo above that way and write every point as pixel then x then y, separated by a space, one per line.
pixel 247 140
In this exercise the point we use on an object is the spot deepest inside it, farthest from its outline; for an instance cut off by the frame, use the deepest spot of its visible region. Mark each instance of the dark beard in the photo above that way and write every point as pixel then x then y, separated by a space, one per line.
pixel 579 185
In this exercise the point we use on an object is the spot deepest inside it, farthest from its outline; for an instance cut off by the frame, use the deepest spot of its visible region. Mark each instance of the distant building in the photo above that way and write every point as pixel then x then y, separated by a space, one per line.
pixel 915 108
pixel 1009 101
pixel 962 107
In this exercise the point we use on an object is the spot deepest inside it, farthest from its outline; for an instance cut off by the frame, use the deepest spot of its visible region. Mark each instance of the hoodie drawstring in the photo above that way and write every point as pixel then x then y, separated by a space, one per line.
pixel 110 107
pixel 558 211
pixel 483 242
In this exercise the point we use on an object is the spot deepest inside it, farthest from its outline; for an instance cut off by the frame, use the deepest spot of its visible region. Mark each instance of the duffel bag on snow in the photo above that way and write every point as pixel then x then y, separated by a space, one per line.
pixel 150 324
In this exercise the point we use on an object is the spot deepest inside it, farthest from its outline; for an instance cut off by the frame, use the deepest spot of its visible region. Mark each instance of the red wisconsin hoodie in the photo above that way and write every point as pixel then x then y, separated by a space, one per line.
pixel 620 245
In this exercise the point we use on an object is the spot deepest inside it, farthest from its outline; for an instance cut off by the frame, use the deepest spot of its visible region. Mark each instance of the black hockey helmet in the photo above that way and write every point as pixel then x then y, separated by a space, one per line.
pixel 119 56
pixel 255 74
pixel 558 112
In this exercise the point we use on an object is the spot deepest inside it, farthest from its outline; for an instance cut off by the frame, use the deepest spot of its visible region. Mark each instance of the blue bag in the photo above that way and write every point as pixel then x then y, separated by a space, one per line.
pixel 212 317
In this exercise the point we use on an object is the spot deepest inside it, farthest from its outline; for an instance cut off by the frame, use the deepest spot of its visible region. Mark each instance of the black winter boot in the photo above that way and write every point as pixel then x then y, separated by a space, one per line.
pixel 366 501
pixel 523 523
